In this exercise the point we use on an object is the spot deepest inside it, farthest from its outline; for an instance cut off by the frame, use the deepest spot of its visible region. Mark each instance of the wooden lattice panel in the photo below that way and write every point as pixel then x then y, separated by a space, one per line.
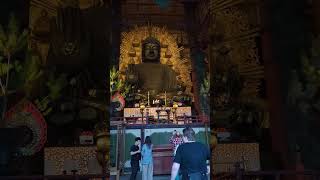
pixel 237 24
pixel 203 11
pixel 225 156
pixel 237 21
pixel 245 55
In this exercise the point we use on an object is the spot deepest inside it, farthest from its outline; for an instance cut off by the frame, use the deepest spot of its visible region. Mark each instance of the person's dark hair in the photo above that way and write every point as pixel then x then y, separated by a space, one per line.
pixel 189 133
pixel 147 141
pixel 137 139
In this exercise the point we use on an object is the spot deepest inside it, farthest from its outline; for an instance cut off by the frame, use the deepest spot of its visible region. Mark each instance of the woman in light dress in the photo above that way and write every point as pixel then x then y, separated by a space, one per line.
pixel 147 159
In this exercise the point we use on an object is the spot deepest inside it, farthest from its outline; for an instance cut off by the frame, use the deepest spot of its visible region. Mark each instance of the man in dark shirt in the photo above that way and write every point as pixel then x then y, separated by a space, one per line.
pixel 135 152
pixel 191 158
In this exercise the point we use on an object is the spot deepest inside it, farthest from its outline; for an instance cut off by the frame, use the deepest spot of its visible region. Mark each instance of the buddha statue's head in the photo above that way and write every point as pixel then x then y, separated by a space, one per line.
pixel 151 50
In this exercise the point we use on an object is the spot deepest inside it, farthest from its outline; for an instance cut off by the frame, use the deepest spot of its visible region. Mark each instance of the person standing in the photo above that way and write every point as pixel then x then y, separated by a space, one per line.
pixel 175 140
pixel 191 157
pixel 135 152
pixel 147 160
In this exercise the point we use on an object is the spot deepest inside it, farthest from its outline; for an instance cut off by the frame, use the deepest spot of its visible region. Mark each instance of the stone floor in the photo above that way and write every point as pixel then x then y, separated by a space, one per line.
pixel 127 177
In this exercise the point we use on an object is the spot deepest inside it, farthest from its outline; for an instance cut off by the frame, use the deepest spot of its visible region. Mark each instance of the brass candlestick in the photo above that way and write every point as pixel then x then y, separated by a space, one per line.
pixel 148 99
pixel 142 107
pixel 165 98
pixel 174 111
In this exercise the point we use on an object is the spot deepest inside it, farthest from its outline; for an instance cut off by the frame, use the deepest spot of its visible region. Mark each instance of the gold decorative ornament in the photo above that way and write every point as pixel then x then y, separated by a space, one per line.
pixel 132 52
pixel 238 29
pixel 102 142
pixel 41 29
pixel 169 63
pixel 135 43
pixel 213 141
pixel 168 54
pixel 102 158
pixel 142 107
pixel 103 147
pixel 132 61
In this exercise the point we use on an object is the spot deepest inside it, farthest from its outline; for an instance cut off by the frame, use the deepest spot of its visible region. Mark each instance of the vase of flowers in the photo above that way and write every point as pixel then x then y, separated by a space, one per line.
pixel 118 89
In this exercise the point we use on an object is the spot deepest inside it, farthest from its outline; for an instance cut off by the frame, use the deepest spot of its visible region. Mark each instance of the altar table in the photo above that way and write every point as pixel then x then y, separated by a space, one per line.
pixel 162 159
pixel 135 112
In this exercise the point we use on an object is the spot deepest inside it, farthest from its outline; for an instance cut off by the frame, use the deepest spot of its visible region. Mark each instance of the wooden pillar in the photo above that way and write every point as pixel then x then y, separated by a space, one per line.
pixel 275 98
pixel 189 11
pixel 116 32
pixel 316 16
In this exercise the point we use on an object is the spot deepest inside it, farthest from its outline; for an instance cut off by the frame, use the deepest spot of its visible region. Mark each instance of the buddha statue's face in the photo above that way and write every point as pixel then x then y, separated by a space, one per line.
pixel 151 51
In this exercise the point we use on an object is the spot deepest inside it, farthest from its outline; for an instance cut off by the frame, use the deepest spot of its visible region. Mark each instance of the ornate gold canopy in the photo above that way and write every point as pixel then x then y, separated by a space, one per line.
pixel 130 52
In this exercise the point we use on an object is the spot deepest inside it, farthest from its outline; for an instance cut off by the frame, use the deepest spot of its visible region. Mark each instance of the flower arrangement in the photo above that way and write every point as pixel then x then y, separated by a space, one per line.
pixel 117 84
pixel 118 89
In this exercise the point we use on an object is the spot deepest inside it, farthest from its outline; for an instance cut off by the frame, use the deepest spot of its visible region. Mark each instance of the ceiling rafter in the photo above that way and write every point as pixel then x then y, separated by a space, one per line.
pixel 155 14
pixel 179 5
pixel 141 11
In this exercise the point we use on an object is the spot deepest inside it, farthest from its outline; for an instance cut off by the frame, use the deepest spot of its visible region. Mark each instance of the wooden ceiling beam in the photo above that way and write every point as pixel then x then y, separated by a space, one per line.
pixel 179 25
pixel 169 26
pixel 154 14
pixel 151 9
pixel 154 21
pixel 135 3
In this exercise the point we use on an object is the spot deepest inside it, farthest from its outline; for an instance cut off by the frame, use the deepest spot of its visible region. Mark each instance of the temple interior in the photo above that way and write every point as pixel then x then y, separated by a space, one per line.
pixel 81 79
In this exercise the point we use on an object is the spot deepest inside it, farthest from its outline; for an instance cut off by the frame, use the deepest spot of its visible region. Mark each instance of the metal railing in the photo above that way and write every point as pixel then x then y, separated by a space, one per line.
pixel 152 120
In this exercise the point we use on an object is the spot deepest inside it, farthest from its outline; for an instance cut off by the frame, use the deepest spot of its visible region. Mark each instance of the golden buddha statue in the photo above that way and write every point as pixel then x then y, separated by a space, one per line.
pixel 151 75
